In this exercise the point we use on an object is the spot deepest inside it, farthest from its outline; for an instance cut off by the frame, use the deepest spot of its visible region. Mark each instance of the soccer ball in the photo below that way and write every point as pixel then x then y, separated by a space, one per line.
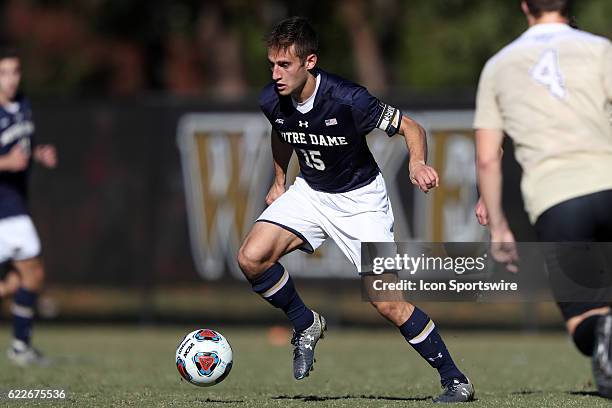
pixel 204 357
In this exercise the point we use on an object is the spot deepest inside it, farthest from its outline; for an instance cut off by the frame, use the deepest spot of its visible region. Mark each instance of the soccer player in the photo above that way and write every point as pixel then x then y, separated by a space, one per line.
pixel 549 90
pixel 19 242
pixel 340 193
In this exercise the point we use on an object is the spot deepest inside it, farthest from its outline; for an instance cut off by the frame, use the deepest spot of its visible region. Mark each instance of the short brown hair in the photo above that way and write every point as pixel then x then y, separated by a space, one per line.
pixel 294 31
pixel 537 7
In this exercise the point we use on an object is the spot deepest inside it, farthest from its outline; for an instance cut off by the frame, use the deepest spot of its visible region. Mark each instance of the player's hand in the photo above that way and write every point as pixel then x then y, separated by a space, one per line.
pixel 423 176
pixel 275 191
pixel 16 159
pixel 46 155
pixel 481 212
pixel 503 247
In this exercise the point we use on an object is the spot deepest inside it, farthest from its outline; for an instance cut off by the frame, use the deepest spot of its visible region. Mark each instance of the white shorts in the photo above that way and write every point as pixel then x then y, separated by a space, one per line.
pixel 361 215
pixel 18 239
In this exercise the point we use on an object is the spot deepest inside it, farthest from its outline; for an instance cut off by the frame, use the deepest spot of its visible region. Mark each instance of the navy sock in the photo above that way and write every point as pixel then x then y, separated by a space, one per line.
pixel 23 314
pixel 420 331
pixel 276 286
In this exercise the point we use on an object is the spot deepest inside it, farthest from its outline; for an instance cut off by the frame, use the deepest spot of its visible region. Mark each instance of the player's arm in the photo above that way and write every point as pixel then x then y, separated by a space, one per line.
pixel 481 210
pixel 281 154
pixel 15 160
pixel 370 113
pixel 488 161
pixel 421 175
pixel 489 124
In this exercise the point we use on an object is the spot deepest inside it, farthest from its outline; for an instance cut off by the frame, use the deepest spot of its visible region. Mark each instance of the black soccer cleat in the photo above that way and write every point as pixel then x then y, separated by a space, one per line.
pixel 601 358
pixel 304 343
pixel 456 391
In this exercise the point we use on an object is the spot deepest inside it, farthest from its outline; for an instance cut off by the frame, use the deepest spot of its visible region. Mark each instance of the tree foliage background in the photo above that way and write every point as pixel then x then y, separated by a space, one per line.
pixel 215 48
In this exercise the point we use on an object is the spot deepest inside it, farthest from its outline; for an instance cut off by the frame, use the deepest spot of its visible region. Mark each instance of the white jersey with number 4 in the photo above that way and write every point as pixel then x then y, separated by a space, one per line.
pixel 550 91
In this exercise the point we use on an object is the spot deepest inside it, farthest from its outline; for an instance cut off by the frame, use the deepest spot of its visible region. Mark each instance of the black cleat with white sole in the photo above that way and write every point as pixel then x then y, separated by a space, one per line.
pixel 304 343
pixel 456 391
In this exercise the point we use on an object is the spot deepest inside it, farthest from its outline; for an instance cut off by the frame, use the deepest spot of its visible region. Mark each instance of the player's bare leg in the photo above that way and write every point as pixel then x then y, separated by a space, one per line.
pixel 31 274
pixel 421 333
pixel 264 245
pixel 10 284
pixel 258 258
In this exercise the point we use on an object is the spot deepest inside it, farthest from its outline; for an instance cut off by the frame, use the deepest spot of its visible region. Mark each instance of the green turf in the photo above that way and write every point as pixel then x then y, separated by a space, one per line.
pixel 105 367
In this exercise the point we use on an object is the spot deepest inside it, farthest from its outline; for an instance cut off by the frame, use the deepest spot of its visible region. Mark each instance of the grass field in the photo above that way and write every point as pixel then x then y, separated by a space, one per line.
pixel 104 366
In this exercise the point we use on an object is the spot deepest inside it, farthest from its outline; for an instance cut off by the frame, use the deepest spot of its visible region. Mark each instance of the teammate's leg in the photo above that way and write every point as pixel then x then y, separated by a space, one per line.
pixel 21 245
pixel 586 218
pixel 581 323
pixel 579 220
pixel 10 284
pixel 31 273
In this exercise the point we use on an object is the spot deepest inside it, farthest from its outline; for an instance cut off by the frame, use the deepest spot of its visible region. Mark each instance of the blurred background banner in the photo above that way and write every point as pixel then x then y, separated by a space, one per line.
pixel 227 167
pixel 149 194
pixel 144 215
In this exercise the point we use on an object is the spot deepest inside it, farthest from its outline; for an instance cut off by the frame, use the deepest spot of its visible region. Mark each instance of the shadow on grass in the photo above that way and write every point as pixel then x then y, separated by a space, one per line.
pixel 581 393
pixel 585 393
pixel 316 398
pixel 222 401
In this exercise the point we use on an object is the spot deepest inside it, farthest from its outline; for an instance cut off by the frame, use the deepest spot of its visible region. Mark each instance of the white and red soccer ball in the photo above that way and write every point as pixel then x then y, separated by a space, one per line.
pixel 204 357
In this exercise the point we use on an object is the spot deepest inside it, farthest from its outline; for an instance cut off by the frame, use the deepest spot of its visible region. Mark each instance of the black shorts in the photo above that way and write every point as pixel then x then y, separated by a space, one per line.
pixel 583 219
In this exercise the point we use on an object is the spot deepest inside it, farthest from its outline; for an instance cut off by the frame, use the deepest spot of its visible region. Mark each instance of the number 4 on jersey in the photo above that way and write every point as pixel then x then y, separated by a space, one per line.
pixel 548 73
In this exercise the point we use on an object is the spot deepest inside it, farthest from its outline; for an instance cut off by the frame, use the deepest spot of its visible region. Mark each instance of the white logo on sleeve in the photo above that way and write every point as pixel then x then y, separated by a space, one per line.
pixel 548 73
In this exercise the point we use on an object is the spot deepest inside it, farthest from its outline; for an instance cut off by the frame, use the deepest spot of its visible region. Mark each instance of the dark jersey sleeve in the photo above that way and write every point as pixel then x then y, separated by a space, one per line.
pixel 266 112
pixel 370 113
pixel 267 101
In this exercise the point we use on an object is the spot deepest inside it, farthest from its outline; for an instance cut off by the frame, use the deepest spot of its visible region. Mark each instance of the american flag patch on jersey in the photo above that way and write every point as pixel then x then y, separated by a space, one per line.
pixel 331 122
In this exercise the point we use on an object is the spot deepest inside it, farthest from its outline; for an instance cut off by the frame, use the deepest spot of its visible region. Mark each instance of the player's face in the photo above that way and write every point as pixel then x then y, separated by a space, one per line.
pixel 10 76
pixel 288 70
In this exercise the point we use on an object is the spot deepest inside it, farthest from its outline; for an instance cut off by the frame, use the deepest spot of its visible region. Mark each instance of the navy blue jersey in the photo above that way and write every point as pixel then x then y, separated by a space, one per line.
pixel 329 140
pixel 16 127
